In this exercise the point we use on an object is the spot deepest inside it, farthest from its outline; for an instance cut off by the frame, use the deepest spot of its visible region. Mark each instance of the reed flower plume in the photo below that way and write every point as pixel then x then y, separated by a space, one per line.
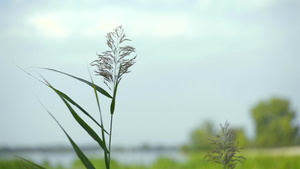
pixel 226 148
pixel 114 63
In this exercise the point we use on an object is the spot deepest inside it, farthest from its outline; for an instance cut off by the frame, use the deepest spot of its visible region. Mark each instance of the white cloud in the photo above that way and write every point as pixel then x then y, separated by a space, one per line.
pixel 253 4
pixel 50 26
pixel 61 24
pixel 204 4
pixel 161 1
pixel 162 25
pixel 66 23
pixel 239 5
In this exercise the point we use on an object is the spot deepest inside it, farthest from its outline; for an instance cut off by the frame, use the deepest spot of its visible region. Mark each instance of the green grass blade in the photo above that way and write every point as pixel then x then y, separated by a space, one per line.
pixel 85 126
pixel 30 162
pixel 79 153
pixel 31 75
pixel 66 97
pixel 113 102
pixel 80 121
pixel 99 89
pixel 106 159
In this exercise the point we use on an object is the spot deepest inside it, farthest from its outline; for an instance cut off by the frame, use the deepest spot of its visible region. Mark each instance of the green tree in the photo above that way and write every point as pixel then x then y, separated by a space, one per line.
pixel 200 136
pixel 241 137
pixel 274 127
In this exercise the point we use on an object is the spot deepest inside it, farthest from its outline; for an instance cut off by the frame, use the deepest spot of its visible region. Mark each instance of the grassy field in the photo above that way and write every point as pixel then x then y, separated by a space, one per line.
pixel 256 159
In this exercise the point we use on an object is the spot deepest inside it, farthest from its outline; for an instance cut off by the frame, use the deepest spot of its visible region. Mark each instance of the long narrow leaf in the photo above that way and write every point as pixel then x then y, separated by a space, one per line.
pixel 79 153
pixel 113 101
pixel 106 159
pixel 61 94
pixel 99 89
pixel 31 75
pixel 67 98
pixel 85 126
pixel 30 162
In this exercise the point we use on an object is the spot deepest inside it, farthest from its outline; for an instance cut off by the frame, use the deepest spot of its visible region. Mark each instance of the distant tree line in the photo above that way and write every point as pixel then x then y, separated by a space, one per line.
pixel 274 124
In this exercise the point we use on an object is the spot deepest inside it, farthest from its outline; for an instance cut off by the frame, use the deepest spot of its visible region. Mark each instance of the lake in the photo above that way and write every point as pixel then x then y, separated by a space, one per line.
pixel 66 158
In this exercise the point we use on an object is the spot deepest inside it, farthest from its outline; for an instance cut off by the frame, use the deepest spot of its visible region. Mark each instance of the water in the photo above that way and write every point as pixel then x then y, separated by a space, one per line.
pixel 67 158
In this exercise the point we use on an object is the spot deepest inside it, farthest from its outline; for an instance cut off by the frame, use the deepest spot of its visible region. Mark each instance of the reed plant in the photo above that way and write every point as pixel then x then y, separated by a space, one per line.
pixel 111 66
pixel 225 149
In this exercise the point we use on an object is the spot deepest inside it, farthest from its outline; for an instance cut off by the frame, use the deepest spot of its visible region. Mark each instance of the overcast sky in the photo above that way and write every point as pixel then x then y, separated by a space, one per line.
pixel 197 60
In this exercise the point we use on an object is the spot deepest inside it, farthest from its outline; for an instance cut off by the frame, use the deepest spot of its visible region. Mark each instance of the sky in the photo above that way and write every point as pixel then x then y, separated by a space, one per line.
pixel 197 60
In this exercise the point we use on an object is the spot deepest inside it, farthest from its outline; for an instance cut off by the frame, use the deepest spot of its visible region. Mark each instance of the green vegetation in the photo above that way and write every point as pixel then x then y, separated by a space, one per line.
pixel 225 148
pixel 21 164
pixel 195 161
pixel 274 127
pixel 199 138
pixel 252 162
pixel 112 65
pixel 274 122
pixel 241 137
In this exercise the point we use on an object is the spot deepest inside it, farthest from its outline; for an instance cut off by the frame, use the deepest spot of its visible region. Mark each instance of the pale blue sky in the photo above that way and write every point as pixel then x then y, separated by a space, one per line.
pixel 197 60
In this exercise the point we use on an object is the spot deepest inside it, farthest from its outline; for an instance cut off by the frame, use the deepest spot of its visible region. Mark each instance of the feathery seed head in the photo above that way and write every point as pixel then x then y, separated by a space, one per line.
pixel 226 148
pixel 114 63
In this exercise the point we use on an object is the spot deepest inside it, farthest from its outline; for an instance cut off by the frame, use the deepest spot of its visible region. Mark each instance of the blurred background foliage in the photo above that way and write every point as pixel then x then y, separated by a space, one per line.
pixel 274 122
pixel 275 126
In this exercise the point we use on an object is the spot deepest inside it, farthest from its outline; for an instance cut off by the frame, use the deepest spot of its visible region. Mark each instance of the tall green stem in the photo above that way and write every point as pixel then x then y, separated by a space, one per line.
pixel 110 133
